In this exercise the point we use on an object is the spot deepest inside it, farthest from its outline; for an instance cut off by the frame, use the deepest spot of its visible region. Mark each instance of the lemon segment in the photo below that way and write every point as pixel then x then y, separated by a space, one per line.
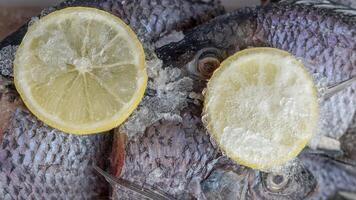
pixel 261 107
pixel 80 70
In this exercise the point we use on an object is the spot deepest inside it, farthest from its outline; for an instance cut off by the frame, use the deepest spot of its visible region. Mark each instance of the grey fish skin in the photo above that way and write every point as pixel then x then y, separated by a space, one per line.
pixel 340 3
pixel 348 141
pixel 173 156
pixel 323 38
pixel 331 176
pixel 313 177
pixel 295 28
pixel 150 19
pixel 39 162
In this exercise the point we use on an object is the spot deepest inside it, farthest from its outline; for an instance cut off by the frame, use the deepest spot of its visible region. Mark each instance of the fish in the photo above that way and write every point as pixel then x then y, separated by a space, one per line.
pixel 321 35
pixel 171 155
pixel 40 162
pixel 348 141
pixel 164 144
pixel 312 177
pixel 343 3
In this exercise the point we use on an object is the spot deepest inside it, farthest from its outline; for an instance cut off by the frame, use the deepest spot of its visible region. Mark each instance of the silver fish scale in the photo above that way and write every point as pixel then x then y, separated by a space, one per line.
pixel 38 162
pixel 331 53
pixel 330 175
pixel 172 162
pixel 348 141
pixel 153 18
pixel 323 39
pixel 149 19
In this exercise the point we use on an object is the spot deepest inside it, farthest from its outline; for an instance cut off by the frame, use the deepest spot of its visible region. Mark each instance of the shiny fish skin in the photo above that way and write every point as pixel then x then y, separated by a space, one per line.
pixel 348 141
pixel 164 16
pixel 348 3
pixel 323 38
pixel 173 156
pixel 332 176
pixel 38 162
pixel 148 18
pixel 313 177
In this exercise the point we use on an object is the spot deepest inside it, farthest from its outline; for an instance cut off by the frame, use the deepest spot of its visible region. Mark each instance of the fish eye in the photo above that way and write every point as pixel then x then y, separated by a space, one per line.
pixel 297 184
pixel 276 182
pixel 205 62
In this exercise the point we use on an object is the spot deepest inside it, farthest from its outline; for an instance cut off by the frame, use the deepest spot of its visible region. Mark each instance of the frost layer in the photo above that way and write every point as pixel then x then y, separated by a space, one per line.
pixel 166 95
pixel 7 56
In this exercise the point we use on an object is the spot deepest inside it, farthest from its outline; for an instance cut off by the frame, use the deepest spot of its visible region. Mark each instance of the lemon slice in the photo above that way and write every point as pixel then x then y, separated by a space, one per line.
pixel 261 107
pixel 80 70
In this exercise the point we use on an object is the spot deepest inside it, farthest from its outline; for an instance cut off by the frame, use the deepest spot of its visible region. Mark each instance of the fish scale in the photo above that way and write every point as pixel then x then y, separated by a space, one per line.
pixel 176 152
pixel 329 62
pixel 39 162
pixel 327 48
pixel 323 38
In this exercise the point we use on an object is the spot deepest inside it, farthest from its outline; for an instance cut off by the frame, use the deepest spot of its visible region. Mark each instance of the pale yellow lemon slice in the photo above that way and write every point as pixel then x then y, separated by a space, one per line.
pixel 80 70
pixel 261 107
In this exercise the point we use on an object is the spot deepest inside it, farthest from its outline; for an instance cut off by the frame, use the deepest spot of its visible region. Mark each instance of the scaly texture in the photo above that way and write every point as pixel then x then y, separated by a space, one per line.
pixel 148 19
pixel 348 141
pixel 172 155
pixel 323 38
pixel 331 176
pixel 311 177
pixel 38 162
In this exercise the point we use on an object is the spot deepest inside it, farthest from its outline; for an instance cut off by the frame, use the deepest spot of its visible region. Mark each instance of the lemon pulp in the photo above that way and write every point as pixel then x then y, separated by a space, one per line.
pixel 261 107
pixel 80 70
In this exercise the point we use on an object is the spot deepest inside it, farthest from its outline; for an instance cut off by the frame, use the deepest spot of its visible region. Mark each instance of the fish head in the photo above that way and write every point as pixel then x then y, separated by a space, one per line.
pixel 326 52
pixel 232 181
pixel 224 34
pixel 310 176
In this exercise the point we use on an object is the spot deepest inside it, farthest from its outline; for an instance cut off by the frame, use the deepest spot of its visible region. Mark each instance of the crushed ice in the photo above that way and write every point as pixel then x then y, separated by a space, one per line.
pixel 174 36
pixel 7 56
pixel 166 95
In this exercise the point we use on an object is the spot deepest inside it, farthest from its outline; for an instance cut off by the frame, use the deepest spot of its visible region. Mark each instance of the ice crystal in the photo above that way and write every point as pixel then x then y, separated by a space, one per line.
pixel 166 95
pixel 7 56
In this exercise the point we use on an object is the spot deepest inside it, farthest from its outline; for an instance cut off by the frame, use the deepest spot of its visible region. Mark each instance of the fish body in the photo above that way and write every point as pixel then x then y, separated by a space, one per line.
pixel 147 152
pixel 324 38
pixel 39 162
pixel 172 156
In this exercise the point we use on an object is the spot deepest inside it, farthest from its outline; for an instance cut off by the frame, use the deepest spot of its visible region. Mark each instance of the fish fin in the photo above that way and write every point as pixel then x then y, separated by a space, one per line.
pixel 117 158
pixel 345 195
pixel 153 194
pixel 326 4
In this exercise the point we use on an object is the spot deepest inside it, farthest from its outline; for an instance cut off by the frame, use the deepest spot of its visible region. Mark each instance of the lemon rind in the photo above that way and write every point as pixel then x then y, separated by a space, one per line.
pixel 110 124
pixel 274 163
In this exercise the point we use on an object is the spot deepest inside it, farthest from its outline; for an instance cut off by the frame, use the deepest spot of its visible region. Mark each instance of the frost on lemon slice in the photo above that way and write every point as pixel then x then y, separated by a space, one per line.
pixel 261 107
pixel 80 70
